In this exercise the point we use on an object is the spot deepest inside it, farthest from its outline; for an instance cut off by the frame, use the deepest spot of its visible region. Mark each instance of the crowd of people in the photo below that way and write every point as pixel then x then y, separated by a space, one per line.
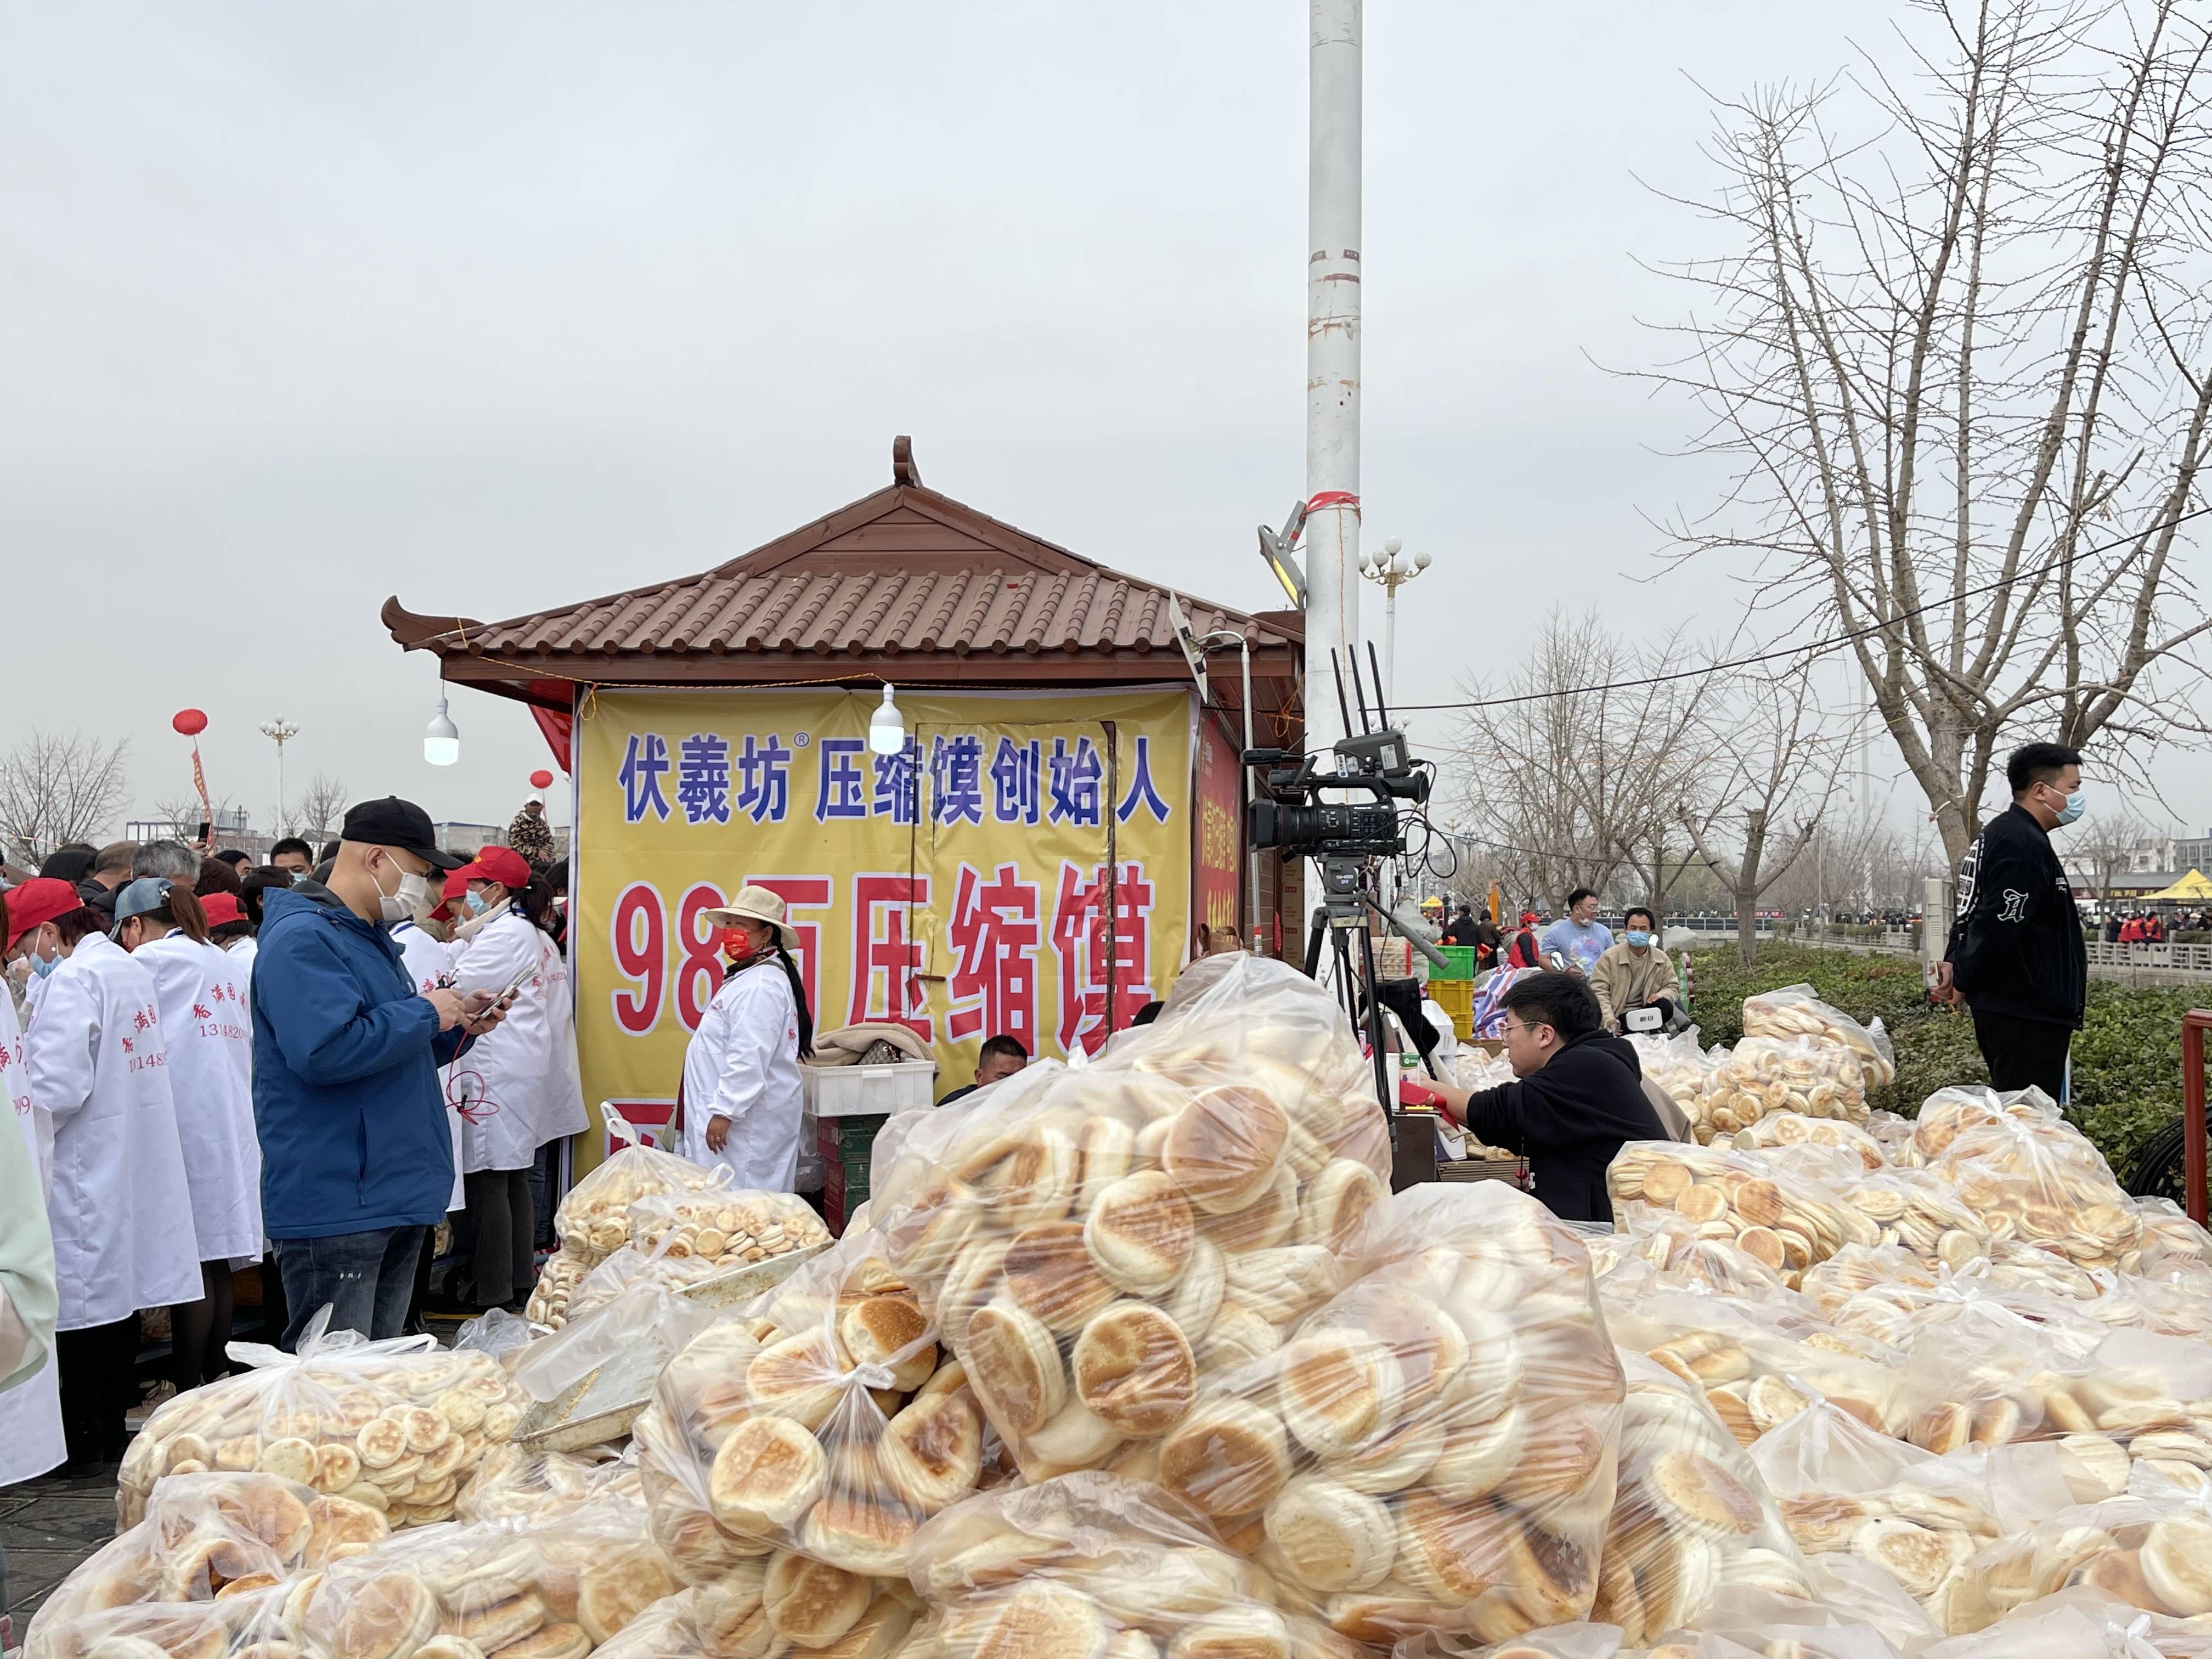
pixel 307 1064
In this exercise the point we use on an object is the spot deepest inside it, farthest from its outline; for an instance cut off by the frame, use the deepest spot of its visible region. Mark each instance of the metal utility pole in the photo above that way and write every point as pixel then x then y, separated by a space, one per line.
pixel 1332 215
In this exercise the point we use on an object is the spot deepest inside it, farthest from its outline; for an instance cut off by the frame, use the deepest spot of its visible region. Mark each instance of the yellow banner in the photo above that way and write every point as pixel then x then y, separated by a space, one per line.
pixel 1022 867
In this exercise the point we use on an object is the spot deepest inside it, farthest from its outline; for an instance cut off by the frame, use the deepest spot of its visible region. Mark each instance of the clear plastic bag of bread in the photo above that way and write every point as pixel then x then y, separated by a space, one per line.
pixel 635 1311
pixel 1796 1011
pixel 212 1536
pixel 555 1589
pixel 1676 1064
pixel 1858 1269
pixel 1742 1198
pixel 1659 1249
pixel 781 1604
pixel 1945 1114
pixel 399 1425
pixel 244 1625
pixel 2032 1177
pixel 1764 1075
pixel 2173 1246
pixel 1434 1446
pixel 2078 1624
pixel 1691 1517
pixel 1813 1633
pixel 513 1484
pixel 1917 1209
pixel 826 1420
pixel 1090 1242
pixel 1984 1368
pixel 729 1228
pixel 1795 1129
pixel 593 1220
pixel 2149 1549
pixel 1758 1362
pixel 1848 1491
pixel 1094 1564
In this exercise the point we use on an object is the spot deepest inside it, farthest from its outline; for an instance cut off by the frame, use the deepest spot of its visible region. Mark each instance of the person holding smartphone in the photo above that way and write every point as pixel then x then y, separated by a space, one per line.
pixel 518 1088
pixel 355 1162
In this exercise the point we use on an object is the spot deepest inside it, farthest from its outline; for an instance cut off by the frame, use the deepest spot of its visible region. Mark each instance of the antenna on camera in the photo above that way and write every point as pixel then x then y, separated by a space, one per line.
pixel 1376 668
pixel 1359 690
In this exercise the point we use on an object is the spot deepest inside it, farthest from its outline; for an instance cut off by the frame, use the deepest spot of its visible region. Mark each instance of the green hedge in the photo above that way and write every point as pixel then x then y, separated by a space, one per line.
pixel 2127 1059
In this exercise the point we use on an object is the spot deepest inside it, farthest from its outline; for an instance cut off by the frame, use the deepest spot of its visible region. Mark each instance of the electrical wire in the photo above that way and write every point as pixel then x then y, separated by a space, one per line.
pixel 1816 649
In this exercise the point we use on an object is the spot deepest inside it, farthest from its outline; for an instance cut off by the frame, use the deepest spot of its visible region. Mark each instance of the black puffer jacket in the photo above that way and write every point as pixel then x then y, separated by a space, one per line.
pixel 2015 945
pixel 1570 1120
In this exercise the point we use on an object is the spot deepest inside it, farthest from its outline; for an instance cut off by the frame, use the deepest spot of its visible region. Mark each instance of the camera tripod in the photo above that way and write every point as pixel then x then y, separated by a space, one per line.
pixel 1342 914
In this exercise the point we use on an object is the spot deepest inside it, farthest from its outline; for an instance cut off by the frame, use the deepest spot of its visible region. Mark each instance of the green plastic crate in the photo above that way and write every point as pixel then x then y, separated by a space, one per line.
pixel 847 1139
pixel 1459 960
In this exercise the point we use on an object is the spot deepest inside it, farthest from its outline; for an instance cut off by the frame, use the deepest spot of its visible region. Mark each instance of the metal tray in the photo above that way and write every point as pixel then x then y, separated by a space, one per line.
pixel 605 1401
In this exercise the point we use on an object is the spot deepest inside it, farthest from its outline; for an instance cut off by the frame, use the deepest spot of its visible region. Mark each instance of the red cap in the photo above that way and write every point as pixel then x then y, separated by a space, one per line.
pixel 501 863
pixel 37 901
pixel 1527 918
pixel 223 908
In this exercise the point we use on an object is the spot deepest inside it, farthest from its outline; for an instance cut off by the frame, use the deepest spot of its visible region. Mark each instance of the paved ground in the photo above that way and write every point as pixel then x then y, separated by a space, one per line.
pixel 47 1527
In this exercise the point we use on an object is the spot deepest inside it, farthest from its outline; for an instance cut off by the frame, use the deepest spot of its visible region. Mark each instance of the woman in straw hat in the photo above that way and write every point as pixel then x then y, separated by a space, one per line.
pixel 739 1102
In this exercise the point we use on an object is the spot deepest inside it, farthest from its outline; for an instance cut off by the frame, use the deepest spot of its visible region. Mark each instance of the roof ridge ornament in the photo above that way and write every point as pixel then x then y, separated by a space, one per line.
pixel 904 472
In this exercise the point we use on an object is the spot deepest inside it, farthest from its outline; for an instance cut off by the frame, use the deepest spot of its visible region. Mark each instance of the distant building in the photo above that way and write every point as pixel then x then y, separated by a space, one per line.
pixel 230 828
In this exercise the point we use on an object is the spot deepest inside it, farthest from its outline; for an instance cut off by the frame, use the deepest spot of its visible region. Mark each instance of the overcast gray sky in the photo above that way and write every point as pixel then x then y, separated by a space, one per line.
pixel 499 307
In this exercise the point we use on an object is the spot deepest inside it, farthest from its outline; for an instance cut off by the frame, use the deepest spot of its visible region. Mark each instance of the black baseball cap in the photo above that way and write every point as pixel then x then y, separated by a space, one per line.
pixel 392 822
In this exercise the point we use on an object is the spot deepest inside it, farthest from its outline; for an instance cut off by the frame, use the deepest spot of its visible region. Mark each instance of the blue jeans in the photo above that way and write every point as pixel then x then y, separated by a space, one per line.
pixel 367 1279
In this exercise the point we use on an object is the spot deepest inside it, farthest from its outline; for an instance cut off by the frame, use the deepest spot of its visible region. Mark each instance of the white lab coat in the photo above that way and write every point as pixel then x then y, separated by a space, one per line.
pixel 565 1112
pixel 505 1083
pixel 121 1210
pixel 31 1441
pixel 743 1064
pixel 209 1035
pixel 427 962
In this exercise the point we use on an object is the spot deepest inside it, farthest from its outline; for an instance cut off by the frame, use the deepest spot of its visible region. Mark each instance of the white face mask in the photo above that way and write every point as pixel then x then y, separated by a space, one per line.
pixel 414 893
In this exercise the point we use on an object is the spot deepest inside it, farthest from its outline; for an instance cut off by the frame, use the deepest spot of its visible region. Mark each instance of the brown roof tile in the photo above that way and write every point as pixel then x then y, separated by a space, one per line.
pixel 903 572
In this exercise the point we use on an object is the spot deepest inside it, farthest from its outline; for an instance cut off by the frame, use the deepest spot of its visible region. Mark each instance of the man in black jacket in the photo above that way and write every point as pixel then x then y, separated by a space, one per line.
pixel 1580 1095
pixel 2015 955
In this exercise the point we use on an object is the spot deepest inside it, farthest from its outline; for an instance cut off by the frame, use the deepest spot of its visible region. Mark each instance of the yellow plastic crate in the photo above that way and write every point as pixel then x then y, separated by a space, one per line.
pixel 1456 998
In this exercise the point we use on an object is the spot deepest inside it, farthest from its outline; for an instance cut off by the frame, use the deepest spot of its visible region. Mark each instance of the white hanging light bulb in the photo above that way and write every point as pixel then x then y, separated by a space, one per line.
pixel 441 738
pixel 886 727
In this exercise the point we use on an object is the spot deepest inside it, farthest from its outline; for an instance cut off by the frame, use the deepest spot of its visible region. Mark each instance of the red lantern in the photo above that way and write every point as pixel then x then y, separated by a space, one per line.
pixel 188 722
pixel 541 779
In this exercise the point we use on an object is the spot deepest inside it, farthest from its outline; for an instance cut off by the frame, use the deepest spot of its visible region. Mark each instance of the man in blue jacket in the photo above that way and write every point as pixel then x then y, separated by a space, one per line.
pixel 356 1161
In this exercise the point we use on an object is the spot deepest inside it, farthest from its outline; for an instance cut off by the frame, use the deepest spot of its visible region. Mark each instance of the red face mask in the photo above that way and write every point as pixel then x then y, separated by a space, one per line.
pixel 738 945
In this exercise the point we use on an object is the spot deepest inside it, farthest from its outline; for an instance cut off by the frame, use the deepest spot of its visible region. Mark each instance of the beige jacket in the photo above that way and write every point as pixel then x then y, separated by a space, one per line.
pixel 1623 979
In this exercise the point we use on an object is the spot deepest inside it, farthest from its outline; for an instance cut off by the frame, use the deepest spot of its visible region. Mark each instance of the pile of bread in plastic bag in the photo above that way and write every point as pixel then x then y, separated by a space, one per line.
pixel 1142 1360
pixel 1798 1055
pixel 646 1211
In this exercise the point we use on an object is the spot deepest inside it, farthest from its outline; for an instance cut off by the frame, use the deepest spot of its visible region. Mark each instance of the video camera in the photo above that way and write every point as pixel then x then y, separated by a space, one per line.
pixel 1307 826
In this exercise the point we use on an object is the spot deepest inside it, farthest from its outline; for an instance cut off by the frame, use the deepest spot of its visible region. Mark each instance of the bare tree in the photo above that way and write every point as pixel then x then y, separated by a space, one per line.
pixel 56 789
pixel 1758 810
pixel 320 809
pixel 1572 774
pixel 1963 368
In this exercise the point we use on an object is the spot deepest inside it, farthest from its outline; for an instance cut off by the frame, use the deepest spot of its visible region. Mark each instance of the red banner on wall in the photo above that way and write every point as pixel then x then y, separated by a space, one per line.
pixel 1217 869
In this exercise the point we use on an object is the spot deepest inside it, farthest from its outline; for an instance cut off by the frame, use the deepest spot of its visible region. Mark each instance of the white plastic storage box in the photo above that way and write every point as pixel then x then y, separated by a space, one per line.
pixel 866 1091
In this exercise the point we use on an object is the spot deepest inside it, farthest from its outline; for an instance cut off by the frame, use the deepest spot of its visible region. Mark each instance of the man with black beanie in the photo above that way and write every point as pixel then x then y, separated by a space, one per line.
pixel 2015 954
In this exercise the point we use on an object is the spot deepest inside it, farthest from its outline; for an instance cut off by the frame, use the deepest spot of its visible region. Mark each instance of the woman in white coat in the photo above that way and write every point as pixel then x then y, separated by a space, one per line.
pixel 210 1040
pixel 512 1087
pixel 740 1103
pixel 122 1212
pixel 31 1412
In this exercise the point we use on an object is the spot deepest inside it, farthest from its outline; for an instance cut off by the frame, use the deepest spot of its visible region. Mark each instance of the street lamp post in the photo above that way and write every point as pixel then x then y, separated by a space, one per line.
pixel 1391 569
pixel 281 733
